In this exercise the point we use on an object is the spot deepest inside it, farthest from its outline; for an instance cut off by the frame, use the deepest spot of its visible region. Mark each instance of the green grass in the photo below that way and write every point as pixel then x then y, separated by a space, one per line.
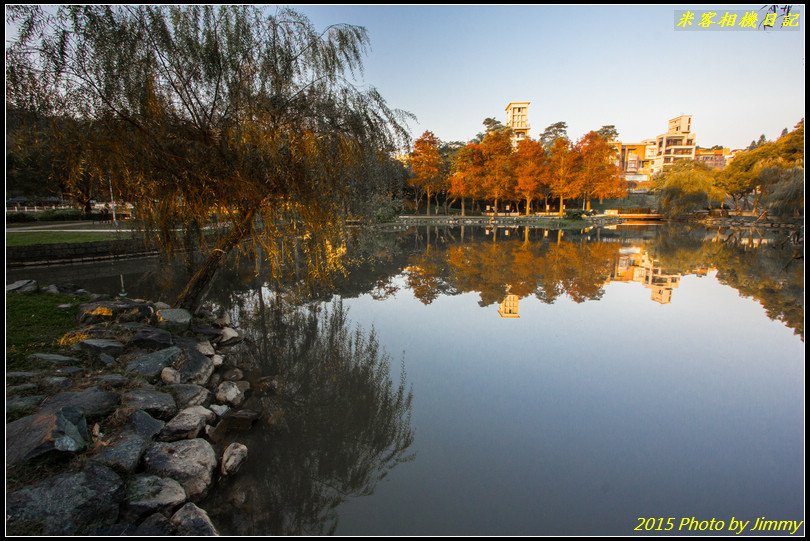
pixel 34 323
pixel 29 238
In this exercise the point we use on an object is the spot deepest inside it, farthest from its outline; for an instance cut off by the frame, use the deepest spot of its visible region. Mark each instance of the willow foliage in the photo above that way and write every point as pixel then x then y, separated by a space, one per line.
pixel 251 115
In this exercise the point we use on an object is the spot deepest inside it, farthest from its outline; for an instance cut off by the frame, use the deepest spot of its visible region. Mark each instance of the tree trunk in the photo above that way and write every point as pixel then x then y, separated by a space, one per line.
pixel 561 207
pixel 192 293
pixel 546 203
pixel 462 207
pixel 528 205
pixel 428 204
pixel 495 210
pixel 588 204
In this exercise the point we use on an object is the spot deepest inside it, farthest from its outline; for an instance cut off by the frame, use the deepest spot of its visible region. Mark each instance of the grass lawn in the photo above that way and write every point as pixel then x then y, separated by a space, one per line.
pixel 28 238
pixel 34 323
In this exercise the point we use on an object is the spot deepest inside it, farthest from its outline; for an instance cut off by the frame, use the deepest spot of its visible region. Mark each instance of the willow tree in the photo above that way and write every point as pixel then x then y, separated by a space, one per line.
pixel 252 115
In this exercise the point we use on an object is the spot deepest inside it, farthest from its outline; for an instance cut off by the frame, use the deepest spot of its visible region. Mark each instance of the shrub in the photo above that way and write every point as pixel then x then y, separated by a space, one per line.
pixel 19 217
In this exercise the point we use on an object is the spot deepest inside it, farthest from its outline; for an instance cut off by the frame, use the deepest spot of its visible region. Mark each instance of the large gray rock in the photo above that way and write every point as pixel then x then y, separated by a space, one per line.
pixel 174 319
pixel 92 403
pixel 153 526
pixel 22 404
pixel 66 504
pixel 187 424
pixel 229 337
pixel 155 403
pixel 191 520
pixel 232 392
pixel 148 494
pixel 152 338
pixel 195 367
pixel 97 346
pixel 189 462
pixel 189 394
pixel 124 454
pixel 63 430
pixel 22 286
pixel 112 380
pixel 144 425
pixel 152 364
pixel 121 310
pixel 52 359
pixel 233 457
pixel 21 377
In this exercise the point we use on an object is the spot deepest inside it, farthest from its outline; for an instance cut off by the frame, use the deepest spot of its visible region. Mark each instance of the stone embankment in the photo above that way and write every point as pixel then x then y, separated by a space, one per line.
pixel 551 222
pixel 131 423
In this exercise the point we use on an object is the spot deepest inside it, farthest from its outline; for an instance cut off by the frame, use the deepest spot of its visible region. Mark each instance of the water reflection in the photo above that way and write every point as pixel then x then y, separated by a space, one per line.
pixel 503 269
pixel 339 422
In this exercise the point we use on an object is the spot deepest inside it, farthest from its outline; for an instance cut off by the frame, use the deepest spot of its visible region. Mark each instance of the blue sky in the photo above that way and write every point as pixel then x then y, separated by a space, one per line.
pixel 452 66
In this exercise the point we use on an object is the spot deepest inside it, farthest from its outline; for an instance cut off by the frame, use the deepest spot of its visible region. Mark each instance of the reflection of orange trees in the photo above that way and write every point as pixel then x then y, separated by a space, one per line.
pixel 497 270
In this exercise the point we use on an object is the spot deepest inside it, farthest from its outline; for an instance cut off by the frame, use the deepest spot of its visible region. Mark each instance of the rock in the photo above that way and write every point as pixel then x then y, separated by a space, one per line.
pixel 112 380
pixel 232 392
pixel 269 384
pixel 219 409
pixel 22 404
pixel 189 394
pixel 155 403
pixel 125 454
pixel 170 375
pixel 91 402
pixel 191 520
pixel 121 310
pixel 234 374
pixel 211 333
pixel 144 425
pixel 224 321
pixel 148 494
pixel 21 388
pixel 214 382
pixel 161 306
pixel 187 424
pixel 22 286
pixel 206 348
pixel 233 457
pixel 154 525
pixel 66 504
pixel 51 359
pixel 174 319
pixel 58 382
pixel 52 289
pixel 151 365
pixel 189 462
pixel 195 367
pixel 151 338
pixel 229 336
pixel 217 360
pixel 69 371
pixel 64 430
pixel 240 420
pixel 64 306
pixel 97 346
pixel 20 377
pixel 106 360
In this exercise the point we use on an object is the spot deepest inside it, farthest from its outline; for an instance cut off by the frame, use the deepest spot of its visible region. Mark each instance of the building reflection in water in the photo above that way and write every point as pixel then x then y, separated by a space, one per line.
pixel 509 306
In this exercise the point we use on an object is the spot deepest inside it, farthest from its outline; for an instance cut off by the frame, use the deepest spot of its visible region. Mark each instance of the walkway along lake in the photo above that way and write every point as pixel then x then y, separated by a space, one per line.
pixel 562 382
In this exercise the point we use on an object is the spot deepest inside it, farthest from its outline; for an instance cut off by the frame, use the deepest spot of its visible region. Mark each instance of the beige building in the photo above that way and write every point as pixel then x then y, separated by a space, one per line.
pixel 517 119
pixel 678 143
pixel 509 308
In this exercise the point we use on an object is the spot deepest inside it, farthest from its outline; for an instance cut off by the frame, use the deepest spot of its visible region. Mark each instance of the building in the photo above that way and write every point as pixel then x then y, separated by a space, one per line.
pixel 678 143
pixel 517 119
pixel 509 308
pixel 715 158
pixel 635 159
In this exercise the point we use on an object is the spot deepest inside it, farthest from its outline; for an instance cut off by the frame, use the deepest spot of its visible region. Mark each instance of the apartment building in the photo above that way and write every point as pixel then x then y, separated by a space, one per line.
pixel 517 119
pixel 678 143
pixel 716 158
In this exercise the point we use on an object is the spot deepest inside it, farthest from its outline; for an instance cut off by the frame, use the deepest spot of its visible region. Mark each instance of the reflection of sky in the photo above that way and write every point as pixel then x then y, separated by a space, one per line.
pixel 578 418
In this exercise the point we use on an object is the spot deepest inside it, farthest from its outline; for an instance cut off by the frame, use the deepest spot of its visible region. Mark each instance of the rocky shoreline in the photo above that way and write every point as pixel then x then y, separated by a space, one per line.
pixel 131 422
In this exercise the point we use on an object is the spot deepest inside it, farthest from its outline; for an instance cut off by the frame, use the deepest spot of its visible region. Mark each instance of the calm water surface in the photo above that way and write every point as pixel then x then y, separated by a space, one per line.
pixel 526 382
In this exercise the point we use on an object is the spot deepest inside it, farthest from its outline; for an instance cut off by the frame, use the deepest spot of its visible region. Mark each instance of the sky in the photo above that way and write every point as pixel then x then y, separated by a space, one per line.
pixel 453 66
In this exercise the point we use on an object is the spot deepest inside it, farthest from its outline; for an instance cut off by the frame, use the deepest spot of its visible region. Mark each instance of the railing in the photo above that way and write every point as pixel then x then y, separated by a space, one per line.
pixel 36 208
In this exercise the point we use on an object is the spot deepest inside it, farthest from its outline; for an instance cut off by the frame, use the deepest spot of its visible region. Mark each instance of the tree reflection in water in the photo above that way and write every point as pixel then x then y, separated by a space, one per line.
pixel 346 423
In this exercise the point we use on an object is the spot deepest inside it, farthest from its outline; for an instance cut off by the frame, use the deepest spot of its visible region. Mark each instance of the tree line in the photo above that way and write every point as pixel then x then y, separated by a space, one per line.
pixel 491 168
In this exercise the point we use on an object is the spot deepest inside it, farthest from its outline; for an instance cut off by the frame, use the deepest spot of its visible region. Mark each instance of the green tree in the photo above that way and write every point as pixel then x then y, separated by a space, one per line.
pixel 232 109
pixel 685 187
pixel 552 133
pixel 609 132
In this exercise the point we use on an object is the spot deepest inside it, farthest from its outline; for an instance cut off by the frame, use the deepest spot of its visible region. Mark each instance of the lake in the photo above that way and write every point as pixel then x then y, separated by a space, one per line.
pixel 514 381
